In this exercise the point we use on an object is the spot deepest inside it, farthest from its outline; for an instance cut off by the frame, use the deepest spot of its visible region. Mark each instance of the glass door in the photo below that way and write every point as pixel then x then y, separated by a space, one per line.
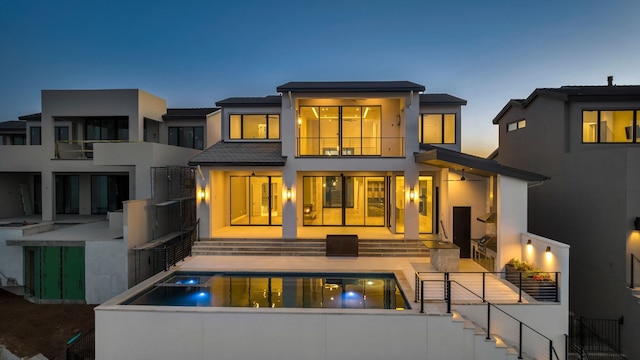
pixel 256 200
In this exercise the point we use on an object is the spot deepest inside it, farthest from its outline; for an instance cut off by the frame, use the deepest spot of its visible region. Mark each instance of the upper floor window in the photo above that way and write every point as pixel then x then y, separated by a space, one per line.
pixel 61 133
pixel 107 128
pixel 35 135
pixel 611 126
pixel 513 126
pixel 13 139
pixel 187 136
pixel 251 126
pixel 437 128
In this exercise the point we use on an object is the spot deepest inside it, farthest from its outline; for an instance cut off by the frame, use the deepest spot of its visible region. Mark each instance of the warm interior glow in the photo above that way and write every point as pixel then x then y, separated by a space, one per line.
pixel 202 194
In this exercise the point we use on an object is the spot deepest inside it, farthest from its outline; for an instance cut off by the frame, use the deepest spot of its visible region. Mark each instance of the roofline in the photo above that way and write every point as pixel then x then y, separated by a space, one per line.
pixel 356 86
pixel 433 155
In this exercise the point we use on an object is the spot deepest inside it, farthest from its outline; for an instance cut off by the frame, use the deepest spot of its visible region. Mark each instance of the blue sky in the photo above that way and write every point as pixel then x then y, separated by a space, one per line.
pixel 194 53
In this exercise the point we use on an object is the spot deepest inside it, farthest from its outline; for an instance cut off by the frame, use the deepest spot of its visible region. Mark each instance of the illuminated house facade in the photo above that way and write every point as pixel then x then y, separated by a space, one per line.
pixel 587 139
pixel 362 155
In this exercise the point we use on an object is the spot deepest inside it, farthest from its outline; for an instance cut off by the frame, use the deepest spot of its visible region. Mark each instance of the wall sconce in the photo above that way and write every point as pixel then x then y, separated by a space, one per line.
pixel 288 194
pixel 548 251
pixel 202 194
pixel 637 224
pixel 529 243
pixel 412 195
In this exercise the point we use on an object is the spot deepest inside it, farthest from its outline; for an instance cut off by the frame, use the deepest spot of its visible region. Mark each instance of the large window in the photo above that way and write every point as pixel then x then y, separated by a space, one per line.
pixel 61 133
pixel 107 128
pixel 108 192
pixel 256 200
pixel 251 126
pixel 35 135
pixel 437 128
pixel 339 130
pixel 187 136
pixel 611 126
pixel 343 200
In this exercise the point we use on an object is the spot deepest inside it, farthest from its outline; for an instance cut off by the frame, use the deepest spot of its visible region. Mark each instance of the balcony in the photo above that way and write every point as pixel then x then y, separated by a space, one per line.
pixel 79 149
pixel 350 146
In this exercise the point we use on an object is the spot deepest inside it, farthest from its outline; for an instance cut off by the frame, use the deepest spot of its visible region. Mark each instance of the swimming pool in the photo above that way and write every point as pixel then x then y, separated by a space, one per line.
pixel 275 290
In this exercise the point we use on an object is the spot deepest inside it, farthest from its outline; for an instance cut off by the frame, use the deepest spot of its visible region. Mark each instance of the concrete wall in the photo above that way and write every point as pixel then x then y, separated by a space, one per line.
pixel 105 269
pixel 11 257
pixel 11 196
pixel 511 218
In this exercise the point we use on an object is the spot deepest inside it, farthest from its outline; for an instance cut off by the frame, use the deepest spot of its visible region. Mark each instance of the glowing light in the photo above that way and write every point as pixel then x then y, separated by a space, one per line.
pixel 288 194
pixel 202 194
pixel 369 282
pixel 412 195
pixel 202 293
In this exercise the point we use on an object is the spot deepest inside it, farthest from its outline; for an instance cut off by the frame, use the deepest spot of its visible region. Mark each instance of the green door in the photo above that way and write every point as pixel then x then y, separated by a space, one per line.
pixel 73 273
pixel 50 281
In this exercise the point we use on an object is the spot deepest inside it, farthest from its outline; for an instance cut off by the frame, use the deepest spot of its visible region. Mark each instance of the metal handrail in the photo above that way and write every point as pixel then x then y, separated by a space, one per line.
pixel 546 291
pixel 552 350
pixel 635 272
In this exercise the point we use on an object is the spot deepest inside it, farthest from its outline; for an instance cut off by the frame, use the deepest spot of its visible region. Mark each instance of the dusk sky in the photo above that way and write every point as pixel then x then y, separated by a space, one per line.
pixel 194 53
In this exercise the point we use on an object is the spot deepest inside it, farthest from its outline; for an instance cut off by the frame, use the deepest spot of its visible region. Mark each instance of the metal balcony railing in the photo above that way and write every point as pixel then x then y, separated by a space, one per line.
pixel 350 146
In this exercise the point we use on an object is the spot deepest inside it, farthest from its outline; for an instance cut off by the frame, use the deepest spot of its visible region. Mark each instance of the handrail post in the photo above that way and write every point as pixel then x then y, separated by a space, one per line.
pixel 632 282
pixel 422 296
pixel 446 279
pixel 483 286
pixel 520 342
pixel 556 286
pixel 488 321
pixel 550 349
pixel 448 296
pixel 520 286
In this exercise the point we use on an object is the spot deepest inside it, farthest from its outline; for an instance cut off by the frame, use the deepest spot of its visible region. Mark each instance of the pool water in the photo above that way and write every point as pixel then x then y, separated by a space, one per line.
pixel 276 290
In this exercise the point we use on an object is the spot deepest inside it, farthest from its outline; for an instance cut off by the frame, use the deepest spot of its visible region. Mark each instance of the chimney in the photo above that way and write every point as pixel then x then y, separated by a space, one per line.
pixel 610 80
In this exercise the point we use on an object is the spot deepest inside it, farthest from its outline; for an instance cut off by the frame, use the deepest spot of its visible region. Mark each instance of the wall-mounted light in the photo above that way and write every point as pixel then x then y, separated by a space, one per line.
pixel 637 224
pixel 548 250
pixel 288 194
pixel 529 242
pixel 412 195
pixel 202 194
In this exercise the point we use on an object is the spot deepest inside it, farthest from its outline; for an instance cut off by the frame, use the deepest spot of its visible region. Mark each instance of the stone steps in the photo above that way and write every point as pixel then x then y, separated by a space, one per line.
pixel 305 247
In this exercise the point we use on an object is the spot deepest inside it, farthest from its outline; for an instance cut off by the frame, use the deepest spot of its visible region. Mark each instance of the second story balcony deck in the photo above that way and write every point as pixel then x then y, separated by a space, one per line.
pixel 350 146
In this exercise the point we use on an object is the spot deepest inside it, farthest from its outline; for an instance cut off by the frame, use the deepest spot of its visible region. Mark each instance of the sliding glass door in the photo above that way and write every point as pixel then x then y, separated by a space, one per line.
pixel 256 200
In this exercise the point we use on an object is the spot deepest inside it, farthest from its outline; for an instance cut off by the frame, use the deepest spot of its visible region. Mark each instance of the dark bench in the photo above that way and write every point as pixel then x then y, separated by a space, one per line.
pixel 342 245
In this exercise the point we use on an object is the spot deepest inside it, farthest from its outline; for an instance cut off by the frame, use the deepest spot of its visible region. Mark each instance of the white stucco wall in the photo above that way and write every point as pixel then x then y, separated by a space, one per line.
pixel 511 218
pixel 11 258
pixel 105 269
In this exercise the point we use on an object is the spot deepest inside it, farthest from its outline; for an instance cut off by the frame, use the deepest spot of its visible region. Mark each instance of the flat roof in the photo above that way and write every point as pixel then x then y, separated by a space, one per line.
pixel 350 86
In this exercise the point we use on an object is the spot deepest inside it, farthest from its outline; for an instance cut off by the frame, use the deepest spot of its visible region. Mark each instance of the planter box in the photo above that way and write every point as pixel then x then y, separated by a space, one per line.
pixel 541 290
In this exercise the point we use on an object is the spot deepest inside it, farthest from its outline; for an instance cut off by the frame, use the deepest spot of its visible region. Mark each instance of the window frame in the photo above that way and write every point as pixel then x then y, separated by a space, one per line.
pixel 193 139
pixel 267 122
pixel 39 135
pixel 516 125
pixel 442 126
pixel 635 126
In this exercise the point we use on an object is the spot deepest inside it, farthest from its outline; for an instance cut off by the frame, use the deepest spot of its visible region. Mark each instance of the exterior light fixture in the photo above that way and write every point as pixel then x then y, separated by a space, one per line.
pixel 637 224
pixel 412 195
pixel 548 251
pixel 288 194
pixel 529 242
pixel 202 194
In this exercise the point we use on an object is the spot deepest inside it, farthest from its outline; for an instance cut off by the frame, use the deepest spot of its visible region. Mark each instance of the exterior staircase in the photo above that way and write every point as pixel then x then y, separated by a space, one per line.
pixel 472 340
pixel 304 247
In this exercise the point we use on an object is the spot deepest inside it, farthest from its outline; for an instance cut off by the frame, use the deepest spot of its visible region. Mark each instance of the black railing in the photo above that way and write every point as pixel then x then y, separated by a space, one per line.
pixel 635 272
pixel 180 248
pixel 82 346
pixel 536 344
pixel 596 337
pixel 539 286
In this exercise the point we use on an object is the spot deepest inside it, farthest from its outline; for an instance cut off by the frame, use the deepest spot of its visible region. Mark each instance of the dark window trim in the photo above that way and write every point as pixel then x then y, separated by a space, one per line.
pixel 634 126
pixel 194 127
pixel 270 202
pixel 266 118
pixel 442 135
pixel 517 124
pixel 31 138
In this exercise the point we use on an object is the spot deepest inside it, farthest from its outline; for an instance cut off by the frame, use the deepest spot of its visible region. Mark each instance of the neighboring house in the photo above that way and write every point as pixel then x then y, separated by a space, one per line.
pixel 13 133
pixel 587 139
pixel 89 152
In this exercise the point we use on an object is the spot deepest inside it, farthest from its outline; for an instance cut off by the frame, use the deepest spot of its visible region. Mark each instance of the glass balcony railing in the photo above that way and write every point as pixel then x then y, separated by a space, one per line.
pixel 350 146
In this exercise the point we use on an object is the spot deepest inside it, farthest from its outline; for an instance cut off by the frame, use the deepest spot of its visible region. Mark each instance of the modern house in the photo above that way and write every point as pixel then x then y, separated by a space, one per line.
pixel 587 139
pixel 84 158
